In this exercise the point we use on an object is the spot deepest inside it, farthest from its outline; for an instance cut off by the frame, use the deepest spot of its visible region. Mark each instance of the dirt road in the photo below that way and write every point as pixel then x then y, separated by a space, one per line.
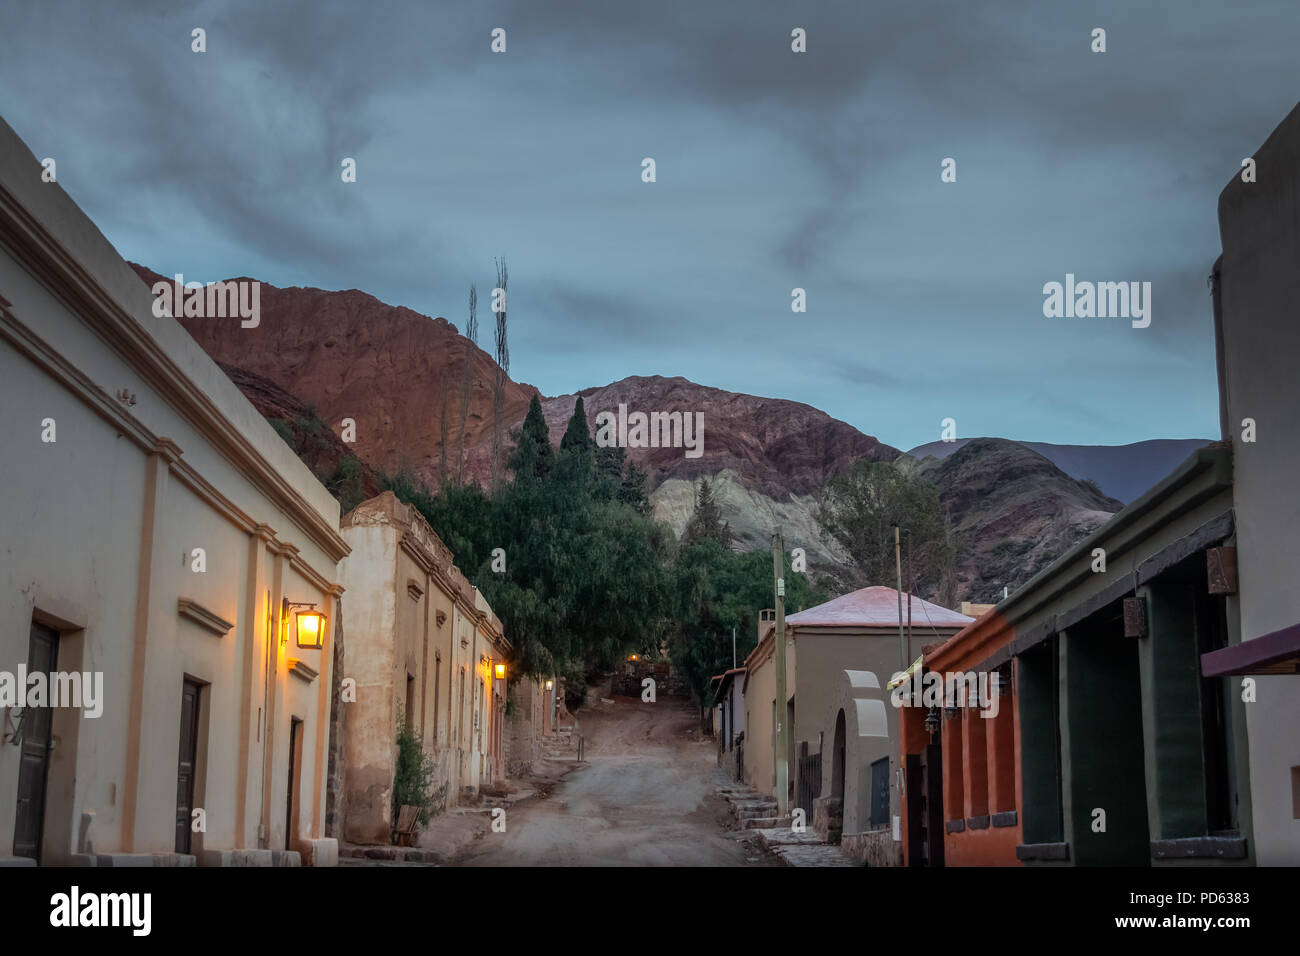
pixel 644 797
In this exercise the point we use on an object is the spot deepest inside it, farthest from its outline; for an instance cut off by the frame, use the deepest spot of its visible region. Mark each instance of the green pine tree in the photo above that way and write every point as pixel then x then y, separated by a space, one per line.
pixel 533 457
pixel 706 523
pixel 577 452
pixel 631 489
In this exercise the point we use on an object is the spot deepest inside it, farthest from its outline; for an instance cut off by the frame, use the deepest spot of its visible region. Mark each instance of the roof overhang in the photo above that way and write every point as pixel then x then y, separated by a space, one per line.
pixel 1276 653
pixel 904 677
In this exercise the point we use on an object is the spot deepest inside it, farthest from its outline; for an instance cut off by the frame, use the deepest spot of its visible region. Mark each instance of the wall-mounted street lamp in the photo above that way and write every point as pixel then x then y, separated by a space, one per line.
pixel 500 671
pixel 932 720
pixel 309 623
pixel 550 684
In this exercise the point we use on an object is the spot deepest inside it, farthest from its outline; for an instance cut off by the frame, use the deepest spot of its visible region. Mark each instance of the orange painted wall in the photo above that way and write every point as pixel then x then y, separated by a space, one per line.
pixel 999 754
pixel 913 738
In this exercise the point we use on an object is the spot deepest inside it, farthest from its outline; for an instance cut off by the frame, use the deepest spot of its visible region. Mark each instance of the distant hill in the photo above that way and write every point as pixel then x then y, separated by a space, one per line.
pixel 1012 511
pixel 1124 472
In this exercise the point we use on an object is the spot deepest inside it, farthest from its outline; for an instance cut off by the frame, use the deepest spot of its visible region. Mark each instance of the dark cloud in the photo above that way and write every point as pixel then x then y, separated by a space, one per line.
pixel 776 170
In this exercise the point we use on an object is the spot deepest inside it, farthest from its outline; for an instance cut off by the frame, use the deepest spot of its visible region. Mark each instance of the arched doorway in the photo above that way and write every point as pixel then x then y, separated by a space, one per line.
pixel 837 758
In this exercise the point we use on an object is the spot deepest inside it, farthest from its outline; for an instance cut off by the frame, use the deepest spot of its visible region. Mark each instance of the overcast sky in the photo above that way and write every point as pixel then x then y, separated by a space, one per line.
pixel 775 170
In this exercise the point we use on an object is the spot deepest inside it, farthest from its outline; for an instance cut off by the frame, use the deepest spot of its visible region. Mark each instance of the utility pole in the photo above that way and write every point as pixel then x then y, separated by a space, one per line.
pixel 733 647
pixel 911 583
pixel 782 731
pixel 898 569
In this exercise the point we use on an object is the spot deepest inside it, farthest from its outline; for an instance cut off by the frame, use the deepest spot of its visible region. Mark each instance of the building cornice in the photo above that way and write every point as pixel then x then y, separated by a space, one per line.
pixel 46 259
pixel 208 620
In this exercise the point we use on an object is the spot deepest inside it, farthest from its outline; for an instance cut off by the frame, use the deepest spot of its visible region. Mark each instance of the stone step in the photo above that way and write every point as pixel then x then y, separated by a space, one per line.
pixel 813 855
pixel 763 813
pixel 765 823
pixel 400 854
pixel 784 836
pixel 766 806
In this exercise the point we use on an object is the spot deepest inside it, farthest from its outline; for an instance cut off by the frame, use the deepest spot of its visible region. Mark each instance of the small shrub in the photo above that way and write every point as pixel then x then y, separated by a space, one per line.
pixel 413 778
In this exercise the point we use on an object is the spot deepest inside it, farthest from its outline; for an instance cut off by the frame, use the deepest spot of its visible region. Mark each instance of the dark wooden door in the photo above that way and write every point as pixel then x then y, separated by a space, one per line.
pixel 189 747
pixel 295 745
pixel 932 771
pixel 34 759
pixel 880 793
pixel 915 779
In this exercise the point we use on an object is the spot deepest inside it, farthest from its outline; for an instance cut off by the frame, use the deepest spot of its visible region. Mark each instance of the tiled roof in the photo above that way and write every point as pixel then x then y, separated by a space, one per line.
pixel 876 607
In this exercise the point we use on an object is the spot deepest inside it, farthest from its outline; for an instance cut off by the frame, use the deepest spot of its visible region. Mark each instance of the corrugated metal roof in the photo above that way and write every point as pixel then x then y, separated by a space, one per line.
pixel 876 607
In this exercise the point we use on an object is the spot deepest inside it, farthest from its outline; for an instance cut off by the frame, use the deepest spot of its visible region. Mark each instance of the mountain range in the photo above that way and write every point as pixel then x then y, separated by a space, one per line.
pixel 318 357
pixel 1121 471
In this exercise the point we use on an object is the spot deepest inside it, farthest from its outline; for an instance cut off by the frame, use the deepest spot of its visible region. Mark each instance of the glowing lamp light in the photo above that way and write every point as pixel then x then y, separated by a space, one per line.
pixel 311 629
pixel 550 684
pixel 309 622
pixel 501 671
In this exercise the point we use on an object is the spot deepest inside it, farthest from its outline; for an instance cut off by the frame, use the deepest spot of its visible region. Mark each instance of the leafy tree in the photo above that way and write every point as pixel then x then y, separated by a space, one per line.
pixel 608 465
pixel 716 590
pixel 590 577
pixel 347 484
pixel 859 508
pixel 632 491
pixel 706 522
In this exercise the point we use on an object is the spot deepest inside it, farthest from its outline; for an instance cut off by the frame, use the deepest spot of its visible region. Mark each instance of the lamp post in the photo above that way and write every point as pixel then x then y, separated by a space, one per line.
pixel 898 568
pixel 782 731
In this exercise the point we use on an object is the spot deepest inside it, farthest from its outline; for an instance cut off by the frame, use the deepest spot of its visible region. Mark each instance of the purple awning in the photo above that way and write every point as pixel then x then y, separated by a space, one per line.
pixel 1276 653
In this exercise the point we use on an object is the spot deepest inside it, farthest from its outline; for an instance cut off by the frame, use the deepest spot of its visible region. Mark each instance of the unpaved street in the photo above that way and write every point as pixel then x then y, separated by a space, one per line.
pixel 644 797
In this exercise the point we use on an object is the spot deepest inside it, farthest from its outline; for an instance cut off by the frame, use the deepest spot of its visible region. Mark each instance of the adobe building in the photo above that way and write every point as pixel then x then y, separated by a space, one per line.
pixel 1257 323
pixel 843 748
pixel 1107 747
pixel 424 649
pixel 163 541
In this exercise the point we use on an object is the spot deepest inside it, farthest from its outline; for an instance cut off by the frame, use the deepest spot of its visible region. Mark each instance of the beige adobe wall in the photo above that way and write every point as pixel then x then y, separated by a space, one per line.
pixel 370 659
pixel 523 735
pixel 100 524
pixel 1259 223
pixel 760 692
pixel 826 655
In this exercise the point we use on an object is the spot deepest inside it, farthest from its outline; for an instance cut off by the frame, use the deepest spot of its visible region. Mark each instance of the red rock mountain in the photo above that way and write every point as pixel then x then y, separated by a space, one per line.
pixel 349 355
pixel 775 447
